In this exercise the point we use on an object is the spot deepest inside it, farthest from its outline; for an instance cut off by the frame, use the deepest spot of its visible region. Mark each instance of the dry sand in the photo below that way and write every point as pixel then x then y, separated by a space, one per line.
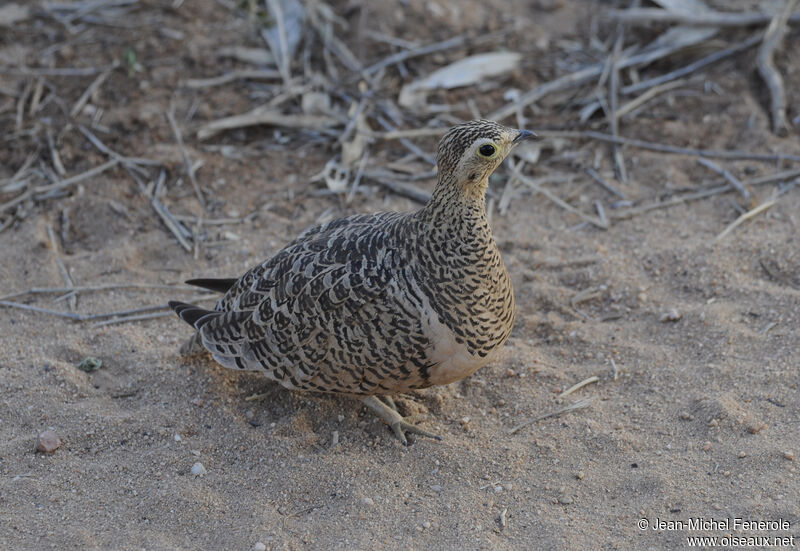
pixel 700 418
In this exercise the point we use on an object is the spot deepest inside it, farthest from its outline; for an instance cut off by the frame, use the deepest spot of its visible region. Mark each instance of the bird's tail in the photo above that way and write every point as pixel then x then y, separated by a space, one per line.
pixel 196 317
pixel 193 315
pixel 218 285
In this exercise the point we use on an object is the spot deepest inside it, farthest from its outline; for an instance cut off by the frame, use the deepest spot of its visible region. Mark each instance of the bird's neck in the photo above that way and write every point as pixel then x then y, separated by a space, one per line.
pixel 460 205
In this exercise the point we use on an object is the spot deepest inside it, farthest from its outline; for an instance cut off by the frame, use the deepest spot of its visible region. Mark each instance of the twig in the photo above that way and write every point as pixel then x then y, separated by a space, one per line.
pixel 577 386
pixel 407 144
pixel 62 268
pixel 603 183
pixel 23 99
pixel 92 288
pixel 282 57
pixel 68 315
pixel 601 213
pixel 581 77
pixel 245 74
pixel 54 156
pixel 131 163
pixel 16 201
pixel 735 182
pixel 694 66
pixel 613 99
pixel 589 293
pixel 702 19
pixel 126 319
pixel 172 225
pixel 198 226
pixel 330 41
pixel 37 97
pixel 746 216
pixel 702 194
pixel 766 67
pixel 628 213
pixel 77 178
pixel 185 155
pixel 406 190
pixel 121 316
pixel 571 407
pixel 647 96
pixel 665 148
pixel 265 115
pixel 411 133
pixel 93 87
pixel 453 42
pixel 54 72
pixel 558 201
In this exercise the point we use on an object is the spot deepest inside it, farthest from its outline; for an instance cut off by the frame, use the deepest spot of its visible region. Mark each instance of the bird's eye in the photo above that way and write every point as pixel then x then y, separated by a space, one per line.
pixel 487 150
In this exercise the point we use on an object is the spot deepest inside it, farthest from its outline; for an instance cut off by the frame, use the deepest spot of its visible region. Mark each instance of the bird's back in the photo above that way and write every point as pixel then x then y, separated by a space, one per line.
pixel 336 310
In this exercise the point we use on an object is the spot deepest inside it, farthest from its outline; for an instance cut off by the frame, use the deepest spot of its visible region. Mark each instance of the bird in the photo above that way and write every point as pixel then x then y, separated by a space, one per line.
pixel 373 305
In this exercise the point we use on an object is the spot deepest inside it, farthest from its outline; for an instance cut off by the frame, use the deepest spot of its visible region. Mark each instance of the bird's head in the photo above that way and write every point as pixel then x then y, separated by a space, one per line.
pixel 470 152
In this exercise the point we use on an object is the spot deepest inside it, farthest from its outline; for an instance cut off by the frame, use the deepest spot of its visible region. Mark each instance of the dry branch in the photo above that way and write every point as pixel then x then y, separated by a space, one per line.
pixel 702 19
pixel 766 67
pixel 264 115
pixel 671 149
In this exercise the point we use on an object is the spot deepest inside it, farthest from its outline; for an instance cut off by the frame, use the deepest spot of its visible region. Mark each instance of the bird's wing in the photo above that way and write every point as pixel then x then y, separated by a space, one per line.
pixel 327 312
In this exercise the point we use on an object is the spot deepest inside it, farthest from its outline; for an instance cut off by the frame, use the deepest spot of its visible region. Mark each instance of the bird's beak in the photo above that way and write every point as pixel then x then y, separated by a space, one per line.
pixel 524 136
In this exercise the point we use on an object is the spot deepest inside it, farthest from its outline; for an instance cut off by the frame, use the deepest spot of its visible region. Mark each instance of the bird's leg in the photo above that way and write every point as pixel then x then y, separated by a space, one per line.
pixel 192 346
pixel 396 421
pixel 390 402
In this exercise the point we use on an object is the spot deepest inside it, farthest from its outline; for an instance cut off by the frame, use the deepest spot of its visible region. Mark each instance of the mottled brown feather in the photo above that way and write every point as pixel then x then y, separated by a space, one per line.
pixel 381 303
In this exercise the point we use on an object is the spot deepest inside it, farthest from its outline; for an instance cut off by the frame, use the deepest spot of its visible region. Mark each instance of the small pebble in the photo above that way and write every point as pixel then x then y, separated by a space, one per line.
pixel 788 455
pixel 706 446
pixel 367 502
pixel 742 455
pixel 178 438
pixel 686 416
pixel 579 475
pixel 335 438
pixel 90 364
pixel 436 488
pixel 259 546
pixel 565 500
pixel 670 315
pixel 47 442
pixel 426 524
pixel 755 428
pixel 198 469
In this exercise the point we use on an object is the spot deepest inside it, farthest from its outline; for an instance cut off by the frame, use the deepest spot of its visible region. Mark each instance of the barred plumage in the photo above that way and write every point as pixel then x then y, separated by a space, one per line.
pixel 378 304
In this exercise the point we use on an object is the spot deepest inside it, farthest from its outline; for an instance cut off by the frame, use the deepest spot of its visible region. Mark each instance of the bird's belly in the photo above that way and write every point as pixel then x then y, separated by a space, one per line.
pixel 451 359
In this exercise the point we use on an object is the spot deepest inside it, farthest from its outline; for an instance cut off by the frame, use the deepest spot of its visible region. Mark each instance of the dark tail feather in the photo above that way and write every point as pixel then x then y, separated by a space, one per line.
pixel 218 285
pixel 193 315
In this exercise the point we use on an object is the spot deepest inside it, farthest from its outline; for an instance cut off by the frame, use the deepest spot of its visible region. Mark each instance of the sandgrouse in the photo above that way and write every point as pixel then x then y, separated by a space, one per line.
pixel 377 304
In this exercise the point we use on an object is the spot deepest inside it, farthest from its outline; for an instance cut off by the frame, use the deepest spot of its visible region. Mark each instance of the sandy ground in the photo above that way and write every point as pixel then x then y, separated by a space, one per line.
pixel 700 418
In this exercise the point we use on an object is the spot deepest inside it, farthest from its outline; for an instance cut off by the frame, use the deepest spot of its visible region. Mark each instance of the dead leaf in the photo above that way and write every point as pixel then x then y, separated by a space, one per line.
pixel 12 13
pixel 463 72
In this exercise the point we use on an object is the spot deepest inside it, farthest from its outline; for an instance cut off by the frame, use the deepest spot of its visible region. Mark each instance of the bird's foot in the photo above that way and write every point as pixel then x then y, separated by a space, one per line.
pixel 192 346
pixel 399 424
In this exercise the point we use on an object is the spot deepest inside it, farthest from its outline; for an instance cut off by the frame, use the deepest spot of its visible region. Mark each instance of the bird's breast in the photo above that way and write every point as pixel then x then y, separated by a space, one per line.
pixel 467 336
